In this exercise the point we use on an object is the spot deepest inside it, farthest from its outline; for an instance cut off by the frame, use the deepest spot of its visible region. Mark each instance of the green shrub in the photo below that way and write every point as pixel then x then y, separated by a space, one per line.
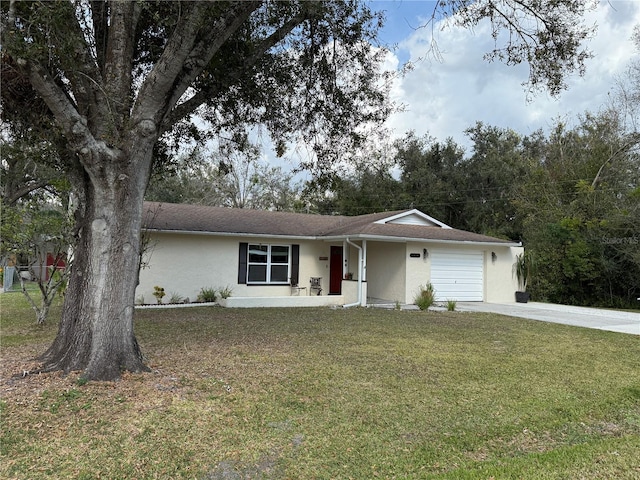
pixel 225 292
pixel 207 294
pixel 451 305
pixel 426 297
pixel 176 298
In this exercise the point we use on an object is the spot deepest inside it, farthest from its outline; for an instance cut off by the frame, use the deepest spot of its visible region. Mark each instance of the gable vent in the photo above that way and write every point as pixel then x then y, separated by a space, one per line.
pixel 413 217
pixel 412 220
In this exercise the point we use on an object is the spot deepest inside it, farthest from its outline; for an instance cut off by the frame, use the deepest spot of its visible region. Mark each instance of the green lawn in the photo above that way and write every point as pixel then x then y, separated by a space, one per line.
pixel 329 394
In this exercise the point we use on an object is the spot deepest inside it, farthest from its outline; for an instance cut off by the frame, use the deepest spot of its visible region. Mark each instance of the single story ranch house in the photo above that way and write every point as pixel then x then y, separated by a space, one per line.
pixel 293 259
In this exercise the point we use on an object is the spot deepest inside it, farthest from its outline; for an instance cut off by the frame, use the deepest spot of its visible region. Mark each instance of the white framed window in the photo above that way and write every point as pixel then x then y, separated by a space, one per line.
pixel 269 264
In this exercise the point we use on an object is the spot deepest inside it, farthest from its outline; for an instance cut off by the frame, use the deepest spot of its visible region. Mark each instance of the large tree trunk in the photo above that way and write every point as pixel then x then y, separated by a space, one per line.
pixel 96 331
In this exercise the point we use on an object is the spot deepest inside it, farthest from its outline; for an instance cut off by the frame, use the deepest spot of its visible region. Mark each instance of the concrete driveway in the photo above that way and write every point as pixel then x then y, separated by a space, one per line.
pixel 601 319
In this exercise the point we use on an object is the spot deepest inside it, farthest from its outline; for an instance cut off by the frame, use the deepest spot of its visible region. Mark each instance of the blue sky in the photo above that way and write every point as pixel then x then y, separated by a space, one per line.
pixel 404 17
pixel 445 97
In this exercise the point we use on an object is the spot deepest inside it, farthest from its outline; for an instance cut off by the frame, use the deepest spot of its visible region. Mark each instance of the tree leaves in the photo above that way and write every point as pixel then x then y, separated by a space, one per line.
pixel 547 35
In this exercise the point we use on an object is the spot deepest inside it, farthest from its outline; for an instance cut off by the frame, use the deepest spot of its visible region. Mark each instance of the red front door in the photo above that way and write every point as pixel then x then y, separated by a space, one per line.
pixel 335 271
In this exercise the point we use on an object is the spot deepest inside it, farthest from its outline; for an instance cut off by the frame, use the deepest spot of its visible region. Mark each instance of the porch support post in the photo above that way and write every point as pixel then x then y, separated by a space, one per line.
pixel 362 301
pixel 364 260
pixel 345 259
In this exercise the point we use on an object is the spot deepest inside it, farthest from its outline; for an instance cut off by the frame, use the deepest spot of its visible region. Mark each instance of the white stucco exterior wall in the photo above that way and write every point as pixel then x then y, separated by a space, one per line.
pixel 386 271
pixel 186 263
pixel 500 282
pixel 418 270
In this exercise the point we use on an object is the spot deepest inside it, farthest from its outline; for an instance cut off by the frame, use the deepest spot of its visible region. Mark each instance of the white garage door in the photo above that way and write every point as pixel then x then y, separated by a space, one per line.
pixel 458 276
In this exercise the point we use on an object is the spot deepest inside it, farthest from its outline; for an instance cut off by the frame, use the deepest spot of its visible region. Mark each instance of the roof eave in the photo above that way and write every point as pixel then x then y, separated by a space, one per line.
pixel 232 234
pixel 336 238
pixel 385 238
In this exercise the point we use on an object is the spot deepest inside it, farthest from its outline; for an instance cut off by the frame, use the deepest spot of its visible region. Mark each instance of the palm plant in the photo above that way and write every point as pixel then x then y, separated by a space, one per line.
pixel 523 270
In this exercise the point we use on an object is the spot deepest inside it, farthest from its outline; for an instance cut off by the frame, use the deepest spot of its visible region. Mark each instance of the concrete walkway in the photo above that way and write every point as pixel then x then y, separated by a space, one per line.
pixel 601 319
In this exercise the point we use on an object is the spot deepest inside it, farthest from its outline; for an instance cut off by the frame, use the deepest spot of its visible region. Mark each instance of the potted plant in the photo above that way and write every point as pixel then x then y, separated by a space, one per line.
pixel 523 269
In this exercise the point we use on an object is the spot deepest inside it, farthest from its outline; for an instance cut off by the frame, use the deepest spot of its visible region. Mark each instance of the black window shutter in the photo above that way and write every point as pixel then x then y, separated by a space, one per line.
pixel 295 264
pixel 242 263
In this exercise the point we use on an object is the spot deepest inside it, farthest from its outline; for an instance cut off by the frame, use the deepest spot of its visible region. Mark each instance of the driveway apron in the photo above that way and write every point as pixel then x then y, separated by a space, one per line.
pixel 597 318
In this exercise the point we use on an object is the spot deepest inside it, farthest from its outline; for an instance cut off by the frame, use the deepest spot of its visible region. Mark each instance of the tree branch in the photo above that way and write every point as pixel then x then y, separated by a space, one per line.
pixel 10 198
pixel 632 141
pixel 73 124
pixel 207 47
pixel 58 102
pixel 185 57
pixel 158 86
pixel 118 63
pixel 189 106
pixel 79 66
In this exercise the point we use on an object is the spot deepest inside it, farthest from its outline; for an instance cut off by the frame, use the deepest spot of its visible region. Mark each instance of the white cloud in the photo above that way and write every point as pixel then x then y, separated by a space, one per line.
pixel 444 98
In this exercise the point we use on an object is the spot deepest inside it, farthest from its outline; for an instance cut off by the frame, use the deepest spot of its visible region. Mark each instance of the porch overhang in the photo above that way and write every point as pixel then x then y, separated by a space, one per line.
pixel 382 238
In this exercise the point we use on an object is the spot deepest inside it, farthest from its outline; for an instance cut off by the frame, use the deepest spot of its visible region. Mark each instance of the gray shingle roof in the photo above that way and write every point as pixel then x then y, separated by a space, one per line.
pixel 221 220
